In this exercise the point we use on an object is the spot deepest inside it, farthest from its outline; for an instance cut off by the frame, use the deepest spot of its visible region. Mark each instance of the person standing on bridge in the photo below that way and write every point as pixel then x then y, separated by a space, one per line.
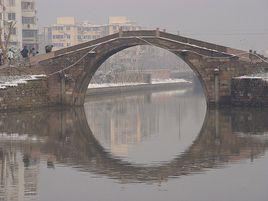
pixel 25 54
pixel 49 48
pixel 1 57
pixel 33 52
pixel 10 57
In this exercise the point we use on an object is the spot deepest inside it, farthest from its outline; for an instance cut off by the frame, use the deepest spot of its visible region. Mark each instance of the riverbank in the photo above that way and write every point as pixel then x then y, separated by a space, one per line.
pixel 112 89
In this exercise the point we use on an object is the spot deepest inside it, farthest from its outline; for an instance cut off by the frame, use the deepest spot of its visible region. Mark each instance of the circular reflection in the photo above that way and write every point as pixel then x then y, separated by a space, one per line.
pixel 147 129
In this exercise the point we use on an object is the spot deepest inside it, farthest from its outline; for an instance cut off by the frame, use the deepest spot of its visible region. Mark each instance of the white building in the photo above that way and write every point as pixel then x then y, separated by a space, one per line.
pixel 121 22
pixel 10 12
pixel 23 14
pixel 29 23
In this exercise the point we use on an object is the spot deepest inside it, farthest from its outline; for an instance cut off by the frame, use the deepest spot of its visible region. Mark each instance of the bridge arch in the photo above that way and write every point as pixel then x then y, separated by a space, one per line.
pixel 103 52
pixel 83 84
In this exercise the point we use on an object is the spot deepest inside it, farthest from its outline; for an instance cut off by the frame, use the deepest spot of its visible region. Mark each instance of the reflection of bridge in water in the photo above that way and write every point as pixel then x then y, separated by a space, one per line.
pixel 67 139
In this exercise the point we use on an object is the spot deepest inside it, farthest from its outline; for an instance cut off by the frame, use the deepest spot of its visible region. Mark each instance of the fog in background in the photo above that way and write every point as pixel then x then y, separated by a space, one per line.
pixel 237 23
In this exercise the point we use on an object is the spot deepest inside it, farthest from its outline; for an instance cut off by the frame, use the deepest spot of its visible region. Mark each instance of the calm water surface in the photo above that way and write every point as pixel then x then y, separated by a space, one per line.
pixel 148 146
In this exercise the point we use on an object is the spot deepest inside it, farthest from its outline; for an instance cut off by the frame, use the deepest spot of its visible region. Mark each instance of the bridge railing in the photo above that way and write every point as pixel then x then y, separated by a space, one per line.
pixel 139 33
pixel 193 42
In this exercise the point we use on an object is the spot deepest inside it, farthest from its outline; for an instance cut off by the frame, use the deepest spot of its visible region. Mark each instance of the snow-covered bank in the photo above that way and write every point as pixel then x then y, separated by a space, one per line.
pixel 155 81
pixel 160 81
pixel 13 81
pixel 112 89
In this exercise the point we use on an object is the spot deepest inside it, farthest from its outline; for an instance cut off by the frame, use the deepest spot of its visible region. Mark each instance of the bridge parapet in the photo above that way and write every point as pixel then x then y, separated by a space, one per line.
pixel 86 44
pixel 195 42
pixel 143 33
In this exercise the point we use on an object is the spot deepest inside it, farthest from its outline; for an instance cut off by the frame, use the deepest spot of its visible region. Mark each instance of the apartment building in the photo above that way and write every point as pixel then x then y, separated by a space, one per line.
pixel 23 14
pixel 10 12
pixel 121 22
pixel 64 32
pixel 68 31
pixel 29 23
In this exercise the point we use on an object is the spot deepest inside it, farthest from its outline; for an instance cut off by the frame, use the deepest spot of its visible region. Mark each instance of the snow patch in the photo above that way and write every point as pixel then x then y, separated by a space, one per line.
pixel 14 81
pixel 162 81
pixel 17 137
pixel 154 81
pixel 105 85
pixel 263 76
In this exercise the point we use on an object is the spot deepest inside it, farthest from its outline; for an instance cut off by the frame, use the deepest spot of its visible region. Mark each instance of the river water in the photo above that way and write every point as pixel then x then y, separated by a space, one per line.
pixel 149 146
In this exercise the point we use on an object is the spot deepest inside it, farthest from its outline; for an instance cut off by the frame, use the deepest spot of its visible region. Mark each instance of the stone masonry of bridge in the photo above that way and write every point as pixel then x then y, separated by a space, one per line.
pixel 70 70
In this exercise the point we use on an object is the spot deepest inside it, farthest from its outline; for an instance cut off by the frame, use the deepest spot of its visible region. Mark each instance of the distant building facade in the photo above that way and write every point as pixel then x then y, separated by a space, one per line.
pixel 23 14
pixel 116 23
pixel 29 24
pixel 68 31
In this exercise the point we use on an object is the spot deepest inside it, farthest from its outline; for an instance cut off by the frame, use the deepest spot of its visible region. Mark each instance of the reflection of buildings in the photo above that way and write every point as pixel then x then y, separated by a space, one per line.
pixel 123 124
pixel 19 174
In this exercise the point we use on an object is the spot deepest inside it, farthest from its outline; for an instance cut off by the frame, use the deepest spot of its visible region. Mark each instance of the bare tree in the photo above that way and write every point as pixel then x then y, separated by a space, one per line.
pixel 6 29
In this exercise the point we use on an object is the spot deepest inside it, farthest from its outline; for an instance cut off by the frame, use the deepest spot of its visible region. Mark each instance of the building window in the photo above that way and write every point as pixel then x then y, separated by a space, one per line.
pixel 58 28
pixel 27 5
pixel 11 16
pixel 58 44
pixel 12 3
pixel 29 33
pixel 28 20
pixel 58 36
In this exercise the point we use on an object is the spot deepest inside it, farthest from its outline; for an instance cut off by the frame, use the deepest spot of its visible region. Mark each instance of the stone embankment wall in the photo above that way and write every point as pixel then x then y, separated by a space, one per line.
pixel 32 94
pixel 249 91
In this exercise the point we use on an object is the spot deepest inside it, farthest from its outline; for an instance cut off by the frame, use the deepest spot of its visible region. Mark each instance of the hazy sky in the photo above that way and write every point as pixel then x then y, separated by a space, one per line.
pixel 237 23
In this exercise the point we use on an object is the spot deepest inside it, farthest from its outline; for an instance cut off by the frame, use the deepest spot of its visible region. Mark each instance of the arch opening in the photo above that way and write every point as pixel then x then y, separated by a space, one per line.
pixel 131 65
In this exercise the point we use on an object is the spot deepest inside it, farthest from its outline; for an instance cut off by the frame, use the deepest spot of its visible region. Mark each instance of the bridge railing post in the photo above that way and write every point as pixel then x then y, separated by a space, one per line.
pixel 120 32
pixel 216 86
pixel 157 32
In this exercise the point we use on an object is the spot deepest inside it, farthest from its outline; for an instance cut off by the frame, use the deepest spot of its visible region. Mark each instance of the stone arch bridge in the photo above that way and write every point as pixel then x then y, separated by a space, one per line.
pixel 69 70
